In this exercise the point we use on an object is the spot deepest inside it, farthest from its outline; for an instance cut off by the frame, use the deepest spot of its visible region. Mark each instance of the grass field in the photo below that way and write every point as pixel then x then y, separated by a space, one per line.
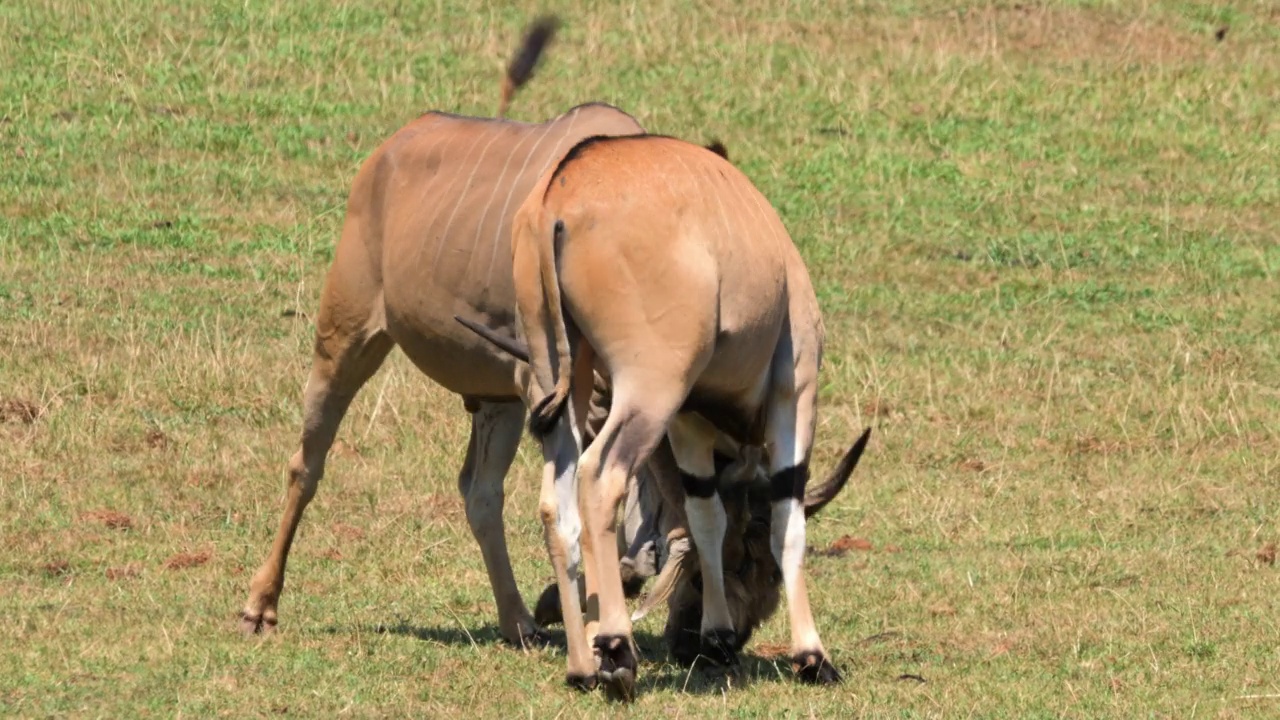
pixel 1045 235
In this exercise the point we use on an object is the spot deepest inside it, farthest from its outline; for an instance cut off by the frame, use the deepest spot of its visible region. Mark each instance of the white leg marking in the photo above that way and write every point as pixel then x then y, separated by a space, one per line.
pixel 708 523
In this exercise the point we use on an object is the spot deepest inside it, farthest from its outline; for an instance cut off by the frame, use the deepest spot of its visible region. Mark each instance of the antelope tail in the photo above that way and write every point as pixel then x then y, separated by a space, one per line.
pixel 554 338
pixel 520 70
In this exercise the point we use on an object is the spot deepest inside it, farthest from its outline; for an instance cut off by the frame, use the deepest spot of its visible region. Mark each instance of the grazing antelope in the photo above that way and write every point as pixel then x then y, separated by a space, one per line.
pixel 427 236
pixel 659 266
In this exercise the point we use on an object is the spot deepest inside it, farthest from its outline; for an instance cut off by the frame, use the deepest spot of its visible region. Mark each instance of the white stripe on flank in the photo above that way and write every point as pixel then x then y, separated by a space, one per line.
pixel 497 184
pixel 423 199
pixel 494 130
pixel 497 242
pixel 713 191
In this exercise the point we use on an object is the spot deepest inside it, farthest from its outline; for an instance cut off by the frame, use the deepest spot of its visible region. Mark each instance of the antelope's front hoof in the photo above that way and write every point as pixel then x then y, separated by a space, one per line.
pixel 814 668
pixel 720 647
pixel 617 666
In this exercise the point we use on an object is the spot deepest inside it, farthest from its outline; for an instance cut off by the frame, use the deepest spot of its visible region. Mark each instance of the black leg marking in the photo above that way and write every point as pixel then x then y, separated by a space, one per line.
pixel 789 483
pixel 698 487
pixel 814 668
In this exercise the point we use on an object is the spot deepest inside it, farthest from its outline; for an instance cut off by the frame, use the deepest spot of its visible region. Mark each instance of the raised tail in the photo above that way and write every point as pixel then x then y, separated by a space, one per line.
pixel 520 69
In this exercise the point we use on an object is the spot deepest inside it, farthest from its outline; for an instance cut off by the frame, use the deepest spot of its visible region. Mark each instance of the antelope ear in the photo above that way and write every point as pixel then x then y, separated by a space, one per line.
pixel 818 498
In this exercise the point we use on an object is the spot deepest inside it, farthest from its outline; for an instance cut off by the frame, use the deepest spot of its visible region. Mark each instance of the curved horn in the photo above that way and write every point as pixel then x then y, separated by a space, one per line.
pixel 680 560
pixel 818 498
pixel 511 346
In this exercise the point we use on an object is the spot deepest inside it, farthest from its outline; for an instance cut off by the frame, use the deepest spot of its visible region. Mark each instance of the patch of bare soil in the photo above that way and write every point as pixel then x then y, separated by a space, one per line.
pixel 15 410
pixel 110 518
pixel 843 545
pixel 183 561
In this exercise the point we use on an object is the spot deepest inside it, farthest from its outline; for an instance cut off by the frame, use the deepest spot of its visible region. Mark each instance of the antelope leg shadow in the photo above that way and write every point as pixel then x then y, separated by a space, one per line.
pixel 658 671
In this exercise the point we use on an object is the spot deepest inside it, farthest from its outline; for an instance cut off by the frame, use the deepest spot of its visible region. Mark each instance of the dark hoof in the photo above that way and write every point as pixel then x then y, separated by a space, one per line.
pixel 256 625
pixel 581 683
pixel 547 611
pixel 720 647
pixel 617 666
pixel 815 669
pixel 620 685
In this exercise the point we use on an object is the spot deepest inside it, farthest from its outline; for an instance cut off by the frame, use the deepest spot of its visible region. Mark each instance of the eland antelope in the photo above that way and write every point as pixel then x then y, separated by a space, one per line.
pixel 659 266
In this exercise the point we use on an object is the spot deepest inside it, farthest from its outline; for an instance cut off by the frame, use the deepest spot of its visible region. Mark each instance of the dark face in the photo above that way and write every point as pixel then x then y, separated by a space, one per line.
pixel 753 581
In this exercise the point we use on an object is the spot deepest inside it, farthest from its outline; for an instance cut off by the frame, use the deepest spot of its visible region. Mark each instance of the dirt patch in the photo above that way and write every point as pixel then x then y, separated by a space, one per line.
pixel 19 411
pixel 183 561
pixel 56 568
pixel 156 440
pixel 843 545
pixel 445 505
pixel 878 408
pixel 1267 554
pixel 348 532
pixel 110 518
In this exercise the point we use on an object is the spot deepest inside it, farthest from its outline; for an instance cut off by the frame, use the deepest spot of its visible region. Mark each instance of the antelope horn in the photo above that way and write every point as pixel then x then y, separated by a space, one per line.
pixel 818 498
pixel 681 558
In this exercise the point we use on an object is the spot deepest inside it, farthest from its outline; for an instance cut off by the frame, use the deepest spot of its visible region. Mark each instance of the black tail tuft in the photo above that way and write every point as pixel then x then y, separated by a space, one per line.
pixel 546 413
pixel 536 39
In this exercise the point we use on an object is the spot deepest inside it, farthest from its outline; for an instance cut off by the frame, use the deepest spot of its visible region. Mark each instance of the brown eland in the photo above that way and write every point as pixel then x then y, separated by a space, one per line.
pixel 660 267
pixel 427 236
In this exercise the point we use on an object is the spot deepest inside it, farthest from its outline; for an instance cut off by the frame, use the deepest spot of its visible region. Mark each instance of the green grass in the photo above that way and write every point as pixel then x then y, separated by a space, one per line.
pixel 1044 235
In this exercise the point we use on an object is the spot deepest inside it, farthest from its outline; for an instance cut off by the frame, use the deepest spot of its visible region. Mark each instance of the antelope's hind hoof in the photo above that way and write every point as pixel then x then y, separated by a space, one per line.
pixel 251 625
pixel 617 667
pixel 814 668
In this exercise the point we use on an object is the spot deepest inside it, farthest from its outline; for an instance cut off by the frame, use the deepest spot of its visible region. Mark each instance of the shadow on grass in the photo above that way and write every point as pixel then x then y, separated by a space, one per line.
pixel 658 671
